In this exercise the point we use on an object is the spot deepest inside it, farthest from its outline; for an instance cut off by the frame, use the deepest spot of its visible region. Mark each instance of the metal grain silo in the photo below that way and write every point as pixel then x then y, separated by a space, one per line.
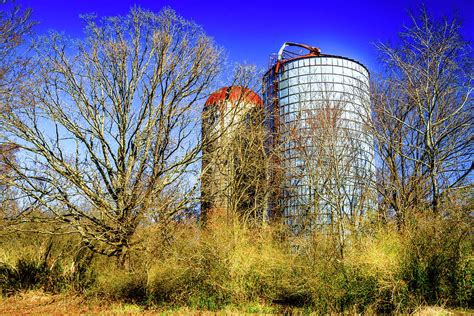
pixel 317 107
pixel 229 118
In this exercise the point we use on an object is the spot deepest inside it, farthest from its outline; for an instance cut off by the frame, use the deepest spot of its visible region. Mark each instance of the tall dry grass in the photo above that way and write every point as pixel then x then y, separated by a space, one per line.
pixel 256 266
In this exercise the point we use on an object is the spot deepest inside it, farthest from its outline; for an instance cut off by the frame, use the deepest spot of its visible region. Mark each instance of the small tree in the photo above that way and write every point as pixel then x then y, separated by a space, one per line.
pixel 423 115
pixel 334 162
pixel 234 173
pixel 112 124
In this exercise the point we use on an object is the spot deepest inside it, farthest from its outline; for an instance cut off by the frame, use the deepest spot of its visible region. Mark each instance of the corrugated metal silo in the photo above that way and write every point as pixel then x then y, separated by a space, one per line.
pixel 317 107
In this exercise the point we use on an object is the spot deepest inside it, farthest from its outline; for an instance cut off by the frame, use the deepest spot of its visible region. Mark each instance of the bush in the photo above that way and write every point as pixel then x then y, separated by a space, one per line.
pixel 8 279
pixel 43 267
pixel 225 263
pixel 373 264
pixel 121 285
pixel 438 263
pixel 30 274
pixel 381 269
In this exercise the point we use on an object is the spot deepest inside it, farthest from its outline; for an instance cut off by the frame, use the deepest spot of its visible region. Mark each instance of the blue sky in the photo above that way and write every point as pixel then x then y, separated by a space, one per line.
pixel 252 30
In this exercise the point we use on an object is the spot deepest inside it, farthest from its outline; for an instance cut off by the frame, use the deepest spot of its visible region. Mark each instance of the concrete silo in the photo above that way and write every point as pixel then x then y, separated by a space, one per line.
pixel 230 122
pixel 317 107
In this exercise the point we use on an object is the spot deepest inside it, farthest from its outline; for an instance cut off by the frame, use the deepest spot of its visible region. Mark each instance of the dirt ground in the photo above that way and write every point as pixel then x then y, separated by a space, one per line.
pixel 39 303
pixel 35 302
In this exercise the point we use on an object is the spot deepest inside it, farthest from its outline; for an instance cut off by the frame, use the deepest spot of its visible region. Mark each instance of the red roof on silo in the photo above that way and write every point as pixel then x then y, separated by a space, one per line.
pixel 234 93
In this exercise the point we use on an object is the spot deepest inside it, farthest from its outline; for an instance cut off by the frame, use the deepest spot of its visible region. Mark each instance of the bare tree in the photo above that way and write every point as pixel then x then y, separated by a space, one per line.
pixel 241 160
pixel 111 126
pixel 423 115
pixel 332 162
pixel 234 173
pixel 249 188
pixel 15 24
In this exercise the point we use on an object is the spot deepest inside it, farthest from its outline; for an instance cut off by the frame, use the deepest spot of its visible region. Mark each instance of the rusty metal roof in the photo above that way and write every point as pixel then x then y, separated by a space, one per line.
pixel 234 94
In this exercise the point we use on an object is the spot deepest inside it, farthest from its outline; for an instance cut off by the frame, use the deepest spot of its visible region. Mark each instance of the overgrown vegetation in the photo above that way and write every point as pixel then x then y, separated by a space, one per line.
pixel 260 268
pixel 103 206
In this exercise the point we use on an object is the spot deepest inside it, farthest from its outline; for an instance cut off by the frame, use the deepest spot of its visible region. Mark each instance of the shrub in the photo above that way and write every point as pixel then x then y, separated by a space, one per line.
pixel 43 267
pixel 30 274
pixel 438 259
pixel 118 284
pixel 381 269
pixel 225 263
pixel 373 264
